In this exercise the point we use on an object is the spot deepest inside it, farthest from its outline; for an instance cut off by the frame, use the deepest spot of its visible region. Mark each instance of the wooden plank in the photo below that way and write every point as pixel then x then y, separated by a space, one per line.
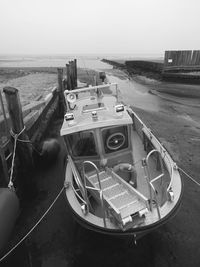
pixel 185 57
pixel 48 98
pixel 31 118
pixel 188 60
pixel 179 59
pixel 34 105
pixel 198 57
pixel 165 59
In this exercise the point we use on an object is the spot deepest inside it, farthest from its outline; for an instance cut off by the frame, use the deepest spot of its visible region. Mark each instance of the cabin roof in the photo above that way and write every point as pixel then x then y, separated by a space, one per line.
pixel 106 114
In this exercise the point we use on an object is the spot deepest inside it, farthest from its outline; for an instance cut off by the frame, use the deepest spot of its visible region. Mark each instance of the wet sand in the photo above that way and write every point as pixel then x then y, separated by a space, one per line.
pixel 60 241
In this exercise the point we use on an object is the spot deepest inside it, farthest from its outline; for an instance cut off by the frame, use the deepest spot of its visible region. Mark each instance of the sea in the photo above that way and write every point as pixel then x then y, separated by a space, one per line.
pixel 89 61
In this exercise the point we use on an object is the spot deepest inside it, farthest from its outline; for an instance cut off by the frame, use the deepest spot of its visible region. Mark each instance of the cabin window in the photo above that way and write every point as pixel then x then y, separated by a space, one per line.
pixel 82 144
pixel 115 138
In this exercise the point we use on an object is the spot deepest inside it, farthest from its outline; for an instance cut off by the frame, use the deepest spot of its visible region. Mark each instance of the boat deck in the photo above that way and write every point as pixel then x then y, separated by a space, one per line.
pixel 118 196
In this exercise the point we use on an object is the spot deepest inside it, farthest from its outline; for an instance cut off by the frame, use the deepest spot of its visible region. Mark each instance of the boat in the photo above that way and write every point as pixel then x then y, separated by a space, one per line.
pixel 119 179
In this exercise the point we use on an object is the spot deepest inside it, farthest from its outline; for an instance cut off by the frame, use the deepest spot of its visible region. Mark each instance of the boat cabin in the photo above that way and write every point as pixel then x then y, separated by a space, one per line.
pixel 98 129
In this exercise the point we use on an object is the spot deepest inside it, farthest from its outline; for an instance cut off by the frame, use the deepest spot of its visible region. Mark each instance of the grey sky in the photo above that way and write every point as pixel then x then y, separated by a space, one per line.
pixel 103 26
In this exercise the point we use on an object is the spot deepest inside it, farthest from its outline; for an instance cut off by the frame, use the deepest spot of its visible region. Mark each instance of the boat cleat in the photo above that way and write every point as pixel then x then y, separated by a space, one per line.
pixel 171 195
pixel 84 209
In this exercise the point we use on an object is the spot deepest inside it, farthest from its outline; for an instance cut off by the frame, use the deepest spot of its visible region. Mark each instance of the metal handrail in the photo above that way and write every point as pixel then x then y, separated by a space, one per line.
pixel 83 197
pixel 156 201
pixel 100 188
pixel 78 195
pixel 151 181
pixel 171 162
pixel 76 176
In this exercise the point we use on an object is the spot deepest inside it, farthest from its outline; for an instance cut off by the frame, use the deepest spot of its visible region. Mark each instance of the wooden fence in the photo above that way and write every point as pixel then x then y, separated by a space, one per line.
pixel 182 60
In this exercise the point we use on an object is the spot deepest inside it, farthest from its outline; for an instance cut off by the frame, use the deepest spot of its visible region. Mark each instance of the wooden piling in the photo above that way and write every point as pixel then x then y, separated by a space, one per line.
pixel 60 78
pixel 23 148
pixel 75 69
pixel 71 75
pixel 62 106
pixel 17 124
pixel 69 85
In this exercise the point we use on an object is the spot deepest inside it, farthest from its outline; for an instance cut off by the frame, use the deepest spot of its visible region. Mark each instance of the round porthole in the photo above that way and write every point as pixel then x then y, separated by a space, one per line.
pixel 115 141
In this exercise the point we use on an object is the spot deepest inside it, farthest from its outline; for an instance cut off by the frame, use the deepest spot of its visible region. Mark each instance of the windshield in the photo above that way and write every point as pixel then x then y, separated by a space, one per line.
pixel 82 144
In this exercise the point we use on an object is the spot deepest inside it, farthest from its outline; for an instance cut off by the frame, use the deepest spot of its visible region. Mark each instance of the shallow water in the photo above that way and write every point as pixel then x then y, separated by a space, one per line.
pixel 136 94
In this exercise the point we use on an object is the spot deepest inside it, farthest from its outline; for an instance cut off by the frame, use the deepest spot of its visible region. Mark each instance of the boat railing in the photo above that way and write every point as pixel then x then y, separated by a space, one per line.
pixel 151 180
pixel 171 165
pixel 70 95
pixel 92 188
pixel 79 183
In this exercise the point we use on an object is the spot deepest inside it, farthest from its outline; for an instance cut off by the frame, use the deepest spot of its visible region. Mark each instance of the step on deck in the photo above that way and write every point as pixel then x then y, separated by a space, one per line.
pixel 124 201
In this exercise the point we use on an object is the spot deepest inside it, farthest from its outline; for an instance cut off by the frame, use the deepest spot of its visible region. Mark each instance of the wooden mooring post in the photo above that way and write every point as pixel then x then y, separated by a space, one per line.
pixel 75 71
pixel 62 106
pixel 71 75
pixel 23 148
pixel 69 85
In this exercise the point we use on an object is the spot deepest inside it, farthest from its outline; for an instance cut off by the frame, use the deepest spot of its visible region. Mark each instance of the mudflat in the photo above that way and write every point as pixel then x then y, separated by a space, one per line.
pixel 60 241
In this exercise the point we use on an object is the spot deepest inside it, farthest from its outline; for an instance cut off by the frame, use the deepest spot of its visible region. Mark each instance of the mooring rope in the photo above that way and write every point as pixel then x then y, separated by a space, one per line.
pixel 28 141
pixel 189 176
pixel 31 230
pixel 15 136
pixel 16 139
